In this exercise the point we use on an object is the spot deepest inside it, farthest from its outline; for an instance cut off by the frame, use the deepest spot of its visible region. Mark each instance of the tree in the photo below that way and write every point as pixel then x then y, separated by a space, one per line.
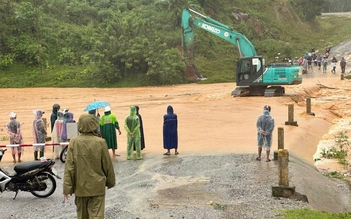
pixel 309 8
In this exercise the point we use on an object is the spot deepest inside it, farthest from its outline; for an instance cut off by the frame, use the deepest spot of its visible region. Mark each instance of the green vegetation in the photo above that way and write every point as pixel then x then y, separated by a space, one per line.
pixel 50 43
pixel 338 175
pixel 220 207
pixel 340 150
pixel 336 6
pixel 312 214
pixel 4 138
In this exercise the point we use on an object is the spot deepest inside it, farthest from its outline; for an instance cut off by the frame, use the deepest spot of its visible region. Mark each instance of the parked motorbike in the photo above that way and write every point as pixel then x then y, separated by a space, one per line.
pixel 63 154
pixel 35 177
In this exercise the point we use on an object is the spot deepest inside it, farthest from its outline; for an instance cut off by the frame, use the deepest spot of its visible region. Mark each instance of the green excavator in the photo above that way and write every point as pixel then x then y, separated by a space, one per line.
pixel 253 77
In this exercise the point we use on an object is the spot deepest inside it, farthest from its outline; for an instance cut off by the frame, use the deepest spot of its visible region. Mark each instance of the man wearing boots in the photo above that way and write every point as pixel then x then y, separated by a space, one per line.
pixel 39 134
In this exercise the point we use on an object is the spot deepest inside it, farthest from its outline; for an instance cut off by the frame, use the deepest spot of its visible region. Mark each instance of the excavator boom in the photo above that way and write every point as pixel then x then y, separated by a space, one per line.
pixel 210 25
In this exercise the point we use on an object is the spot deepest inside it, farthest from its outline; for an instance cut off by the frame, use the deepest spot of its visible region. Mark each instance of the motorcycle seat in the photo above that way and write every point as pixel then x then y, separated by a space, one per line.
pixel 27 166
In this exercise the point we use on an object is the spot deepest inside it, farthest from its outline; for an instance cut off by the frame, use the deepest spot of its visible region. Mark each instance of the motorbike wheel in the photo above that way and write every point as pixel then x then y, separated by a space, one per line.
pixel 63 155
pixel 50 185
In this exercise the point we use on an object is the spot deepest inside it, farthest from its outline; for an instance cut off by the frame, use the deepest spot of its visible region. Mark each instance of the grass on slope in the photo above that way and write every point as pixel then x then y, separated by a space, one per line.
pixel 312 214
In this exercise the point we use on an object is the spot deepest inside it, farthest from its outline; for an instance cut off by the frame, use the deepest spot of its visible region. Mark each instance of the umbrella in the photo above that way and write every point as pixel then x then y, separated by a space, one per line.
pixel 97 104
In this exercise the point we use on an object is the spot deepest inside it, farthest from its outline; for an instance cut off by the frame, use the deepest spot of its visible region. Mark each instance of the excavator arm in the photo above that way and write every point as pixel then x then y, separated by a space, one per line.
pixel 214 27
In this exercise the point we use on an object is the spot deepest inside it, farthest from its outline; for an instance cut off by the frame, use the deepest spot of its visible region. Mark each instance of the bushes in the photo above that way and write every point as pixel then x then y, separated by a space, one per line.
pixel 340 150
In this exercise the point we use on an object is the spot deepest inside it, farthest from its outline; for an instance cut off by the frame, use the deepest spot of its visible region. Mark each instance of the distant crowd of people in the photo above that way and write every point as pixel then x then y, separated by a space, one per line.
pixel 306 62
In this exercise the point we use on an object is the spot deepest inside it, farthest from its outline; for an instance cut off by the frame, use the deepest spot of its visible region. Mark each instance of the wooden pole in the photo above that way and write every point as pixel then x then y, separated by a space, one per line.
pixel 283 167
pixel 283 189
pixel 280 138
pixel 308 105
pixel 280 142
pixel 291 116
pixel 291 113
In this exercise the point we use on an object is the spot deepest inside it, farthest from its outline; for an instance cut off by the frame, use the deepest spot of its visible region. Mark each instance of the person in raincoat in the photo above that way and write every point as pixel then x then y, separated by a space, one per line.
pixel 132 127
pixel 53 117
pixel 108 126
pixel 333 64
pixel 170 131
pixel 142 139
pixel 57 133
pixel 88 170
pixel 304 66
pixel 39 134
pixel 325 64
pixel 342 65
pixel 97 116
pixel 265 127
pixel 69 119
pixel 14 130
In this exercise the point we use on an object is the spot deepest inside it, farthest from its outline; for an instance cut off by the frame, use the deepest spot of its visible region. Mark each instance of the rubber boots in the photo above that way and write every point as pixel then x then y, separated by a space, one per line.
pixel 41 154
pixel 36 155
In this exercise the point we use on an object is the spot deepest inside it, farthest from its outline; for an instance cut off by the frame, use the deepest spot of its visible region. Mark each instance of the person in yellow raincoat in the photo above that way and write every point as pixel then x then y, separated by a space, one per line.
pixel 132 127
pixel 88 170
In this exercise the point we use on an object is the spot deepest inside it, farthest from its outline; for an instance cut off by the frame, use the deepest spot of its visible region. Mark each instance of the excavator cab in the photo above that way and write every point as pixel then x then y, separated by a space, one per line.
pixel 249 69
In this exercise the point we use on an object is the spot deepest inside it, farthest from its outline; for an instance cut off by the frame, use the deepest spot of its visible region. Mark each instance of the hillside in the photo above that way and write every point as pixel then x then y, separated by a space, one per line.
pixel 122 44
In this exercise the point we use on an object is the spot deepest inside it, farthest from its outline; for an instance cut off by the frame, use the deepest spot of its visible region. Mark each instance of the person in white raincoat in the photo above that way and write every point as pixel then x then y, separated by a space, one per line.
pixel 265 127
pixel 56 134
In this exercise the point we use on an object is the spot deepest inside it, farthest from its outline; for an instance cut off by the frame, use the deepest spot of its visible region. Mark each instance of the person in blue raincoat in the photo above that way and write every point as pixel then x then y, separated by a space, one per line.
pixel 265 127
pixel 170 131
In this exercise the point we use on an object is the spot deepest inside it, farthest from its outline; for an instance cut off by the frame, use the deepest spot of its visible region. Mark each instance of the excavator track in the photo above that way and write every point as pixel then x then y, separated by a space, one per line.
pixel 274 91
pixel 241 92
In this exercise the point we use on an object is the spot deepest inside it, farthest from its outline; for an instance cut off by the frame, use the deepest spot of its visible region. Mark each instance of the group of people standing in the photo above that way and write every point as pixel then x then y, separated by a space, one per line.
pixel 59 121
pixel 306 61
pixel 133 125
pixel 89 165
pixel 108 125
pixel 306 64
pixel 334 62
pixel 39 135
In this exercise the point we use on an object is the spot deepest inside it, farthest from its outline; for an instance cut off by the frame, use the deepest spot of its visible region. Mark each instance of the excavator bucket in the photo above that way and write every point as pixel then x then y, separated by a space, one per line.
pixel 192 73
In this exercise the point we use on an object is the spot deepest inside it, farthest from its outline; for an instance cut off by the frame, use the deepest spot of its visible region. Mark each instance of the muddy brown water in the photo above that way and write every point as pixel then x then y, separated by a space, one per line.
pixel 210 119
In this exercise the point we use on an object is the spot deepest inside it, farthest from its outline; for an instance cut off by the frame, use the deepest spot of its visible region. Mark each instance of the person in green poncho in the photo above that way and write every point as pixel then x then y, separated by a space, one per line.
pixel 132 127
pixel 108 126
